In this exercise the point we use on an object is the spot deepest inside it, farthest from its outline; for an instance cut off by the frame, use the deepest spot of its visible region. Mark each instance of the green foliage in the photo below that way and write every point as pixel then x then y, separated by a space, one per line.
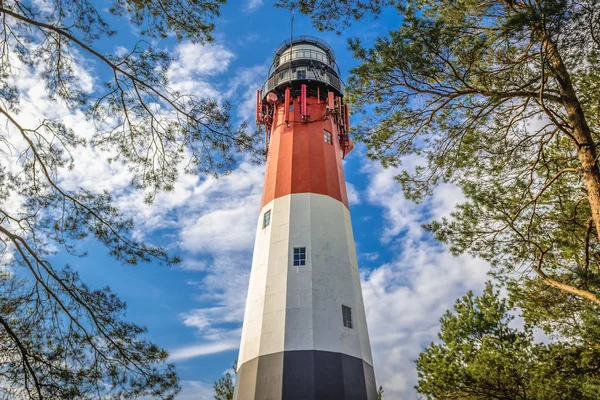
pixel 91 355
pixel 59 338
pixel 191 19
pixel 380 393
pixel 225 386
pixel 483 356
pixel 490 95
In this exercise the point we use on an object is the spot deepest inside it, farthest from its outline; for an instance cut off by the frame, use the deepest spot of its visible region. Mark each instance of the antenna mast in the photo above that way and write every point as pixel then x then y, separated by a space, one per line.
pixel 291 46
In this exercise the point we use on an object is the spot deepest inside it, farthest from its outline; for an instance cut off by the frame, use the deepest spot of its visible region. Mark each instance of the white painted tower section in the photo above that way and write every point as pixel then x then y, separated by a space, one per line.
pixel 300 307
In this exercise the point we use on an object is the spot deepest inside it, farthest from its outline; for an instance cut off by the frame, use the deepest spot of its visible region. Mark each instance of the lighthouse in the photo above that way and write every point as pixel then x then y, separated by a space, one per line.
pixel 305 333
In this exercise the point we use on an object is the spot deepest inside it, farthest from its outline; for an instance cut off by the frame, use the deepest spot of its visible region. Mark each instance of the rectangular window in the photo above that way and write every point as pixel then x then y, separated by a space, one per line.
pixel 267 219
pixel 327 136
pixel 299 256
pixel 347 316
pixel 301 74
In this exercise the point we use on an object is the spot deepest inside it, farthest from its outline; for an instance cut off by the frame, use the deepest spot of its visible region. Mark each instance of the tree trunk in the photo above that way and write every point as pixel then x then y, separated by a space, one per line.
pixel 586 151
pixel 584 294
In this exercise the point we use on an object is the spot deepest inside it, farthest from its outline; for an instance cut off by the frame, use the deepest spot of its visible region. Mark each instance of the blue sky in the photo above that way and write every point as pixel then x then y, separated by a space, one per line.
pixel 195 310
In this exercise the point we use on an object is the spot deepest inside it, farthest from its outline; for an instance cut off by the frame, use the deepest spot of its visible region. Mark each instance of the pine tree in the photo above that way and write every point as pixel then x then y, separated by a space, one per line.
pixel 499 98
pixel 225 386
pixel 481 356
pixel 60 338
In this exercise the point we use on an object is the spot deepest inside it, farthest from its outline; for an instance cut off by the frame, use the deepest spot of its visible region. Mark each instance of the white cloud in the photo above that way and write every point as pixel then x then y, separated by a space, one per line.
pixel 246 82
pixel 193 67
pixel 214 221
pixel 91 170
pixel 226 211
pixel 219 224
pixel 404 301
pixel 353 196
pixel 194 64
pixel 406 297
pixel 196 390
pixel 253 5
pixel 221 230
pixel 202 350
pixel 369 256
pixel 404 216
pixel 201 59
pixel 120 51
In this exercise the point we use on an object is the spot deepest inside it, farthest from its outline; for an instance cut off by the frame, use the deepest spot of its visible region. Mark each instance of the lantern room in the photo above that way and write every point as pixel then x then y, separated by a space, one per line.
pixel 304 59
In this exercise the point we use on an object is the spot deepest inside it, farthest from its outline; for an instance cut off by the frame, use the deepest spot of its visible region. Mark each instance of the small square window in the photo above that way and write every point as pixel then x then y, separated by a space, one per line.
pixel 301 74
pixel 347 316
pixel 299 256
pixel 327 136
pixel 267 219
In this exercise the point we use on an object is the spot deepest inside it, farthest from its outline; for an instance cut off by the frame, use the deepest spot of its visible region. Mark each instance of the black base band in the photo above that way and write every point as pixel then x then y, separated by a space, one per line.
pixel 305 375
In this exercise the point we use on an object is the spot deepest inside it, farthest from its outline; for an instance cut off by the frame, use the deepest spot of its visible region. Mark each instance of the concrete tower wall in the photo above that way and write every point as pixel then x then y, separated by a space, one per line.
pixel 294 342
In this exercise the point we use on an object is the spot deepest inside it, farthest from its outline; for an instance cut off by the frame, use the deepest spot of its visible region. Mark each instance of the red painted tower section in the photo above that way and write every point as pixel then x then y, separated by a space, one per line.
pixel 300 160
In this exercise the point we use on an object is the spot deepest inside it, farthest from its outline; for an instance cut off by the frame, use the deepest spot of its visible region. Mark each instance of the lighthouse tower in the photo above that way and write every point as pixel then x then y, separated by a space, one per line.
pixel 305 332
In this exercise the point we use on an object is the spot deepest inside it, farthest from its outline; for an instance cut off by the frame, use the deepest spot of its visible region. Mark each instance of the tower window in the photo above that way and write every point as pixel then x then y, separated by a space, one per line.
pixel 299 256
pixel 267 219
pixel 347 316
pixel 327 136
pixel 301 74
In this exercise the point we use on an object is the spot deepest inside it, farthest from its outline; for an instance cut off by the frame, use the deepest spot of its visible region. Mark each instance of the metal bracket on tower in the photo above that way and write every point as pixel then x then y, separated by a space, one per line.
pixel 259 107
pixel 264 113
pixel 286 106
pixel 303 108
pixel 343 118
pixel 347 116
pixel 330 102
